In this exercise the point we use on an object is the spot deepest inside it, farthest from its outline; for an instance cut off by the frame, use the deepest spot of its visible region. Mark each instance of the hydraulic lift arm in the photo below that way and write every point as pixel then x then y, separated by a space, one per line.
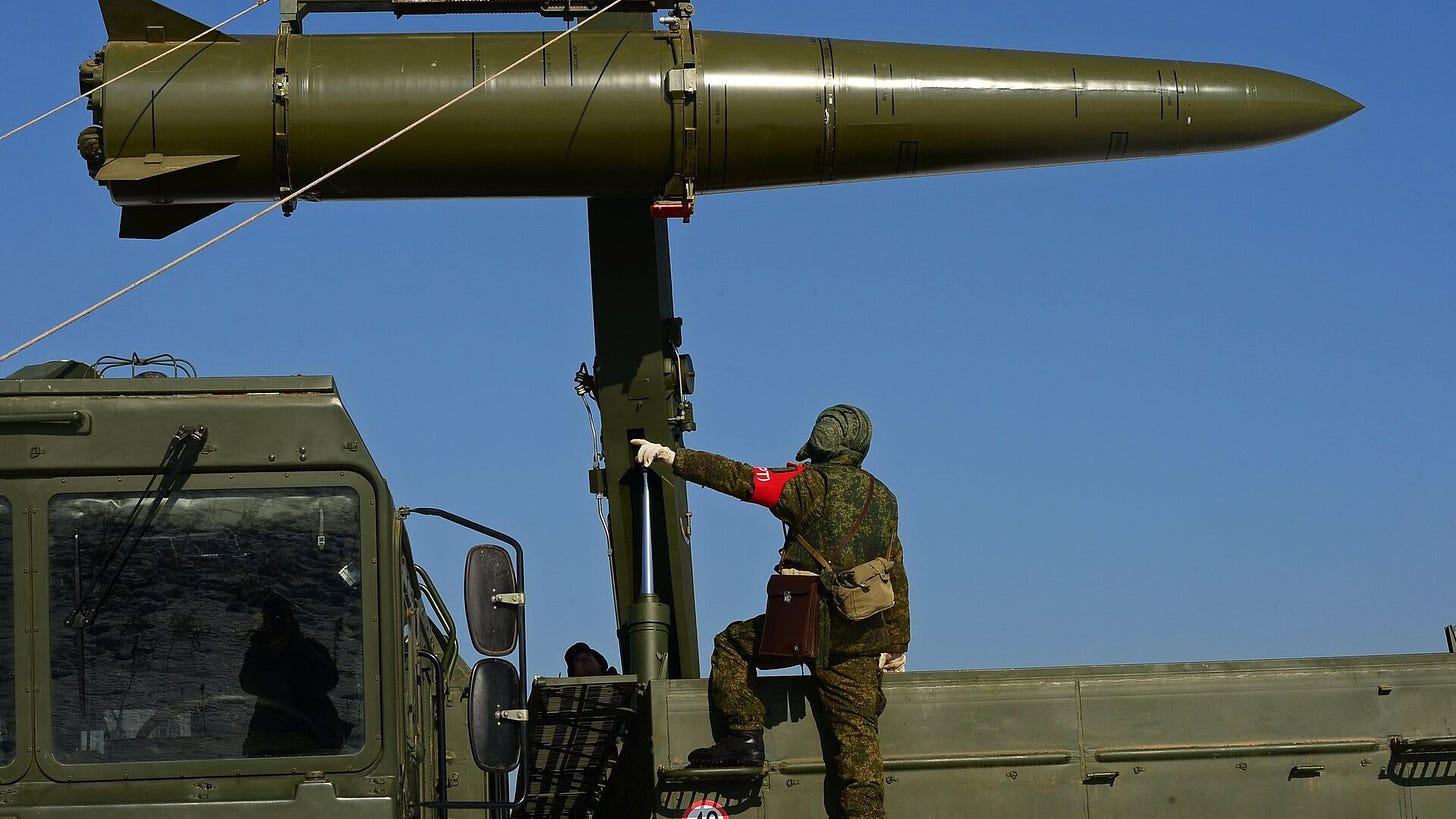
pixel 641 386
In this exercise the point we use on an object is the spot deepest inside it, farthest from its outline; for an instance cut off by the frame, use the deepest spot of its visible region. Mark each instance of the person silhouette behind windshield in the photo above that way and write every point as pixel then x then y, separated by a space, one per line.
pixel 291 675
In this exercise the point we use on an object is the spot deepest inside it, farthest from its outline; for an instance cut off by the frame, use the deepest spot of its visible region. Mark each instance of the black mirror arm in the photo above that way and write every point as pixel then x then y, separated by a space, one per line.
pixel 520 796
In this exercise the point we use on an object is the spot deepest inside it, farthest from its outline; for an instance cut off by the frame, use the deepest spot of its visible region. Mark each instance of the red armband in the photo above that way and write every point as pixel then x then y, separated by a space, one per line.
pixel 768 484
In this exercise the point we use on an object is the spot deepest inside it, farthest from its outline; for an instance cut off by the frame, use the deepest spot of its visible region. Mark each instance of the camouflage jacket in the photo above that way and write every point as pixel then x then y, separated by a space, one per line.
pixel 822 503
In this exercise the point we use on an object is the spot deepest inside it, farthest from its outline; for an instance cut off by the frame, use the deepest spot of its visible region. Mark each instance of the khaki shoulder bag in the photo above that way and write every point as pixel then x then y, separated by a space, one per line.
pixel 860 592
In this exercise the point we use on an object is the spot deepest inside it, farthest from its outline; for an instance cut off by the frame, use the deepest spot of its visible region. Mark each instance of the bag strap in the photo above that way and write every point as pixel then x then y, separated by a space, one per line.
pixel 847 538
pixel 814 552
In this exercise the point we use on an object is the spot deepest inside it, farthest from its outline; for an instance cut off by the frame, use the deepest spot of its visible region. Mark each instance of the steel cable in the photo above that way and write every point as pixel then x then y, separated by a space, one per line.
pixel 306 188
pixel 63 106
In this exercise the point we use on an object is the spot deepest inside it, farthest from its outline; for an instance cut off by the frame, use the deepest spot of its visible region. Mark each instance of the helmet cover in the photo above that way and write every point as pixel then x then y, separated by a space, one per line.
pixel 841 431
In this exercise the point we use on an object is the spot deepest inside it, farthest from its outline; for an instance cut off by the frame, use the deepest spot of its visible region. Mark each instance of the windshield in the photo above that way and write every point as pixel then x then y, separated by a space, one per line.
pixel 7 637
pixel 234 628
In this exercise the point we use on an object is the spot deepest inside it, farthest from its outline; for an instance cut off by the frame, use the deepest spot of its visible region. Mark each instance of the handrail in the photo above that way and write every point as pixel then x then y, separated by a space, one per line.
pixel 442 777
pixel 1339 746
pixel 930 762
pixel 904 762
pixel 1428 745
pixel 78 420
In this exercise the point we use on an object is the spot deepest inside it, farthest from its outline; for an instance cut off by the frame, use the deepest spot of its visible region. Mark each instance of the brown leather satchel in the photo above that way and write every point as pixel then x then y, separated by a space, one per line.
pixel 790 622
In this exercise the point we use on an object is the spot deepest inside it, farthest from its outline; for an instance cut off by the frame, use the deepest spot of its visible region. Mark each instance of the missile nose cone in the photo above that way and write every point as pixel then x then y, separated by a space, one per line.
pixel 1346 105
pixel 1253 106
pixel 1312 106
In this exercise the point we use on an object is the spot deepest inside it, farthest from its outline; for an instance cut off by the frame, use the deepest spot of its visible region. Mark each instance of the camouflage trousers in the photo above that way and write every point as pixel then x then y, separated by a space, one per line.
pixel 850 695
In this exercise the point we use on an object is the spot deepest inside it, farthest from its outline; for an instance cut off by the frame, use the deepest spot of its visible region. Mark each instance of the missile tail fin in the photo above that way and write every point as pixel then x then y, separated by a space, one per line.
pixel 161 221
pixel 150 22
pixel 137 168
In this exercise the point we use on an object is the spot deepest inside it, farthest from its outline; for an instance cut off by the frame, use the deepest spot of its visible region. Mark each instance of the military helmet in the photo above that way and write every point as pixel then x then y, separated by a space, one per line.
pixel 841 430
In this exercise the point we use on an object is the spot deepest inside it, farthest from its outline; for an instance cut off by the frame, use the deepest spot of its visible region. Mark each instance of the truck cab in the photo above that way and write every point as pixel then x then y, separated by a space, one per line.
pixel 210 601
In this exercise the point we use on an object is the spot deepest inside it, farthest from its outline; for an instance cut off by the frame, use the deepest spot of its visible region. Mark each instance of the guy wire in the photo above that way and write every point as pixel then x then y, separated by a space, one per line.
pixel 306 188
pixel 131 71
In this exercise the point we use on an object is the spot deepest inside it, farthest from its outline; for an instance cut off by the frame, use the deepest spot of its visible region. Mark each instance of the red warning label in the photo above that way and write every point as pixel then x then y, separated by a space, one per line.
pixel 705 809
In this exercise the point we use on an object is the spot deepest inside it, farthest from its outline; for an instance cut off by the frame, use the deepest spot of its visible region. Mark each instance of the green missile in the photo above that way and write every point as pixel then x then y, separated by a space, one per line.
pixel 666 114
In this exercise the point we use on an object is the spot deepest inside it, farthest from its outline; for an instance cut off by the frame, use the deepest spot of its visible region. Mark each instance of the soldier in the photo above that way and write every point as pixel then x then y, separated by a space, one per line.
pixel 584 661
pixel 827 500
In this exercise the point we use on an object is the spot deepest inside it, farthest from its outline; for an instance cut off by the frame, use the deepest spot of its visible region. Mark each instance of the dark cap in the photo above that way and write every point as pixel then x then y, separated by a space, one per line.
pixel 582 648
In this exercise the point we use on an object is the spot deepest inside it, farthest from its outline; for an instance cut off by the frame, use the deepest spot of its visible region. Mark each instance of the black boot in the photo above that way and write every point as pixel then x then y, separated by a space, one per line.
pixel 738 749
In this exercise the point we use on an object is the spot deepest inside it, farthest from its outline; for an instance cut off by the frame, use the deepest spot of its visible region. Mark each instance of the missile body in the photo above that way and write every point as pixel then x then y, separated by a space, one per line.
pixel 665 114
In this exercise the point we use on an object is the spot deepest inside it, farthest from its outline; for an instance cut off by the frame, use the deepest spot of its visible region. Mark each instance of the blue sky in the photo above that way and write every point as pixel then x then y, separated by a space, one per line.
pixel 1178 409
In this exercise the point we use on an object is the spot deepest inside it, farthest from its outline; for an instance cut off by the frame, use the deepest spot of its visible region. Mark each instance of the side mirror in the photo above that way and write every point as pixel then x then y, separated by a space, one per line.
pixel 495 613
pixel 495 721
pixel 492 600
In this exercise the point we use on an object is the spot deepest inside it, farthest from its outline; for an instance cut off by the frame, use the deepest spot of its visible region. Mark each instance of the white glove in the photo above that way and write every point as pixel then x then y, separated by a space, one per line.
pixel 892 663
pixel 647 452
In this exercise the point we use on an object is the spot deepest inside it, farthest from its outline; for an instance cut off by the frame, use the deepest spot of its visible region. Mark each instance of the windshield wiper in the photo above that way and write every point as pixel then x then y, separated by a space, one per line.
pixel 171 473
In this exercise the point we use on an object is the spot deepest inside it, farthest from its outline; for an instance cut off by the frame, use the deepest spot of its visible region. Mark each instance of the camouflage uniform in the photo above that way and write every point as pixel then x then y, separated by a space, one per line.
pixel 822 503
